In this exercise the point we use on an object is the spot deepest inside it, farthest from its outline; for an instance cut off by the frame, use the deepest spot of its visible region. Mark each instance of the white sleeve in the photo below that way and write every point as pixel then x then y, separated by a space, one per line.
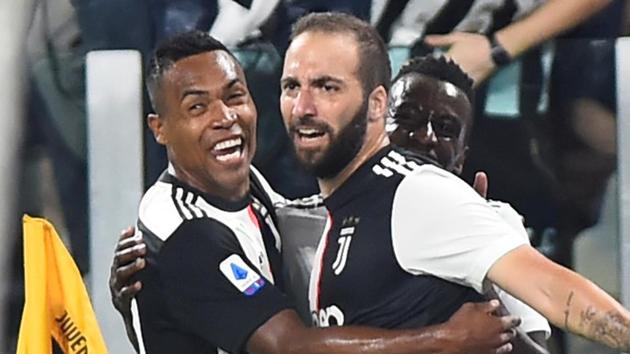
pixel 531 320
pixel 510 216
pixel 441 226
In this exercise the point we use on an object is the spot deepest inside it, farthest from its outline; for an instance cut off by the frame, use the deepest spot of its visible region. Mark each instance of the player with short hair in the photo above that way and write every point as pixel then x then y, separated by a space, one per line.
pixel 430 113
pixel 406 240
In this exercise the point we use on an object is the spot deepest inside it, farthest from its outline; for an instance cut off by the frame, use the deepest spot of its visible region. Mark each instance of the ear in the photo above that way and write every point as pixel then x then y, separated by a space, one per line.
pixel 377 104
pixel 156 124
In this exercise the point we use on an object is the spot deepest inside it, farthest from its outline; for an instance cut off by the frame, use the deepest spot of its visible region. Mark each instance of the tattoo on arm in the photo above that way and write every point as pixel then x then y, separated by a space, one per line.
pixel 566 310
pixel 610 328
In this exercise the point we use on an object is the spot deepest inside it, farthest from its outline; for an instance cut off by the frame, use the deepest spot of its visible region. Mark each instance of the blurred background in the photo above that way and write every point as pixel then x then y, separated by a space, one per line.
pixel 551 129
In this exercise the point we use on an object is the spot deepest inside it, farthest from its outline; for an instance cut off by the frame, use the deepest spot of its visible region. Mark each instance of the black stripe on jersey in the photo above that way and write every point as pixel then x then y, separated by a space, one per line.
pixel 183 207
pixel 190 204
pixel 177 203
pixel 503 16
pixel 451 14
pixel 195 200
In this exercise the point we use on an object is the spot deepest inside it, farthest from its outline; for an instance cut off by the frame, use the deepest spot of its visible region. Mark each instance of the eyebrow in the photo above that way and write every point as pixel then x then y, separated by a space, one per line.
pixel 193 93
pixel 326 78
pixel 232 83
pixel 317 81
pixel 196 92
pixel 285 80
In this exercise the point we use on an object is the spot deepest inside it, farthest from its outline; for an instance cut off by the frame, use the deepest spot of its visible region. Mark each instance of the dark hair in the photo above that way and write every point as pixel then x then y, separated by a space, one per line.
pixel 174 49
pixel 441 68
pixel 374 67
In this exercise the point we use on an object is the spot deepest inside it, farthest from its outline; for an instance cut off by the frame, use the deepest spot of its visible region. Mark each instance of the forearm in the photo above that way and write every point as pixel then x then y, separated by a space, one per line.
pixel 371 341
pixel 564 297
pixel 285 334
pixel 590 312
pixel 131 334
pixel 547 22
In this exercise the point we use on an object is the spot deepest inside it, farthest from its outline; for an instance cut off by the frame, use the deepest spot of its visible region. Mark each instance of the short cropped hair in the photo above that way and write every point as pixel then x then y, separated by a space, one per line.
pixel 374 66
pixel 441 68
pixel 174 49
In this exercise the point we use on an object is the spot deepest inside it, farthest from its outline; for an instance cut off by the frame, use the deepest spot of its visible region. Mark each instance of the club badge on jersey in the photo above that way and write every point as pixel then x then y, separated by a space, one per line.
pixel 345 237
pixel 241 275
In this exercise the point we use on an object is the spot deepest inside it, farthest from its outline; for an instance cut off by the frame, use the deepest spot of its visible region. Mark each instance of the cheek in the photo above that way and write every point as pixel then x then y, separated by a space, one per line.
pixel 446 147
pixel 286 106
pixel 249 115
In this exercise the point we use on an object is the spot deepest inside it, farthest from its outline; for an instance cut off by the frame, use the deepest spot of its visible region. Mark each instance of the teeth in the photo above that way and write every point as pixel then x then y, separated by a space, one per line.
pixel 228 144
pixel 308 131
pixel 234 155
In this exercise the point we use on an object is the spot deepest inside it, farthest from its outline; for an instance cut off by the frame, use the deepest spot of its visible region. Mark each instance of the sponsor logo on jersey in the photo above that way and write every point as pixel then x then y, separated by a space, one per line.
pixel 241 275
pixel 330 316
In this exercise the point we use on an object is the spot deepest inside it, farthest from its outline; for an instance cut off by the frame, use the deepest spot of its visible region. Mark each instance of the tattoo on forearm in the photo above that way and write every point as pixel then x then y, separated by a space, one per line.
pixel 566 310
pixel 610 328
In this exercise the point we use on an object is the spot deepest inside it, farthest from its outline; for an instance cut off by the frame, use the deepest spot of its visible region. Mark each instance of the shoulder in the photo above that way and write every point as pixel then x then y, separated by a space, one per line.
pixel 436 184
pixel 159 210
pixel 167 209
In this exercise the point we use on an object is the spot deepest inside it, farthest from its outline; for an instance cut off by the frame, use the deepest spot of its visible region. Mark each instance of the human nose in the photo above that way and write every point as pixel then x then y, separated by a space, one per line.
pixel 228 117
pixel 425 135
pixel 304 105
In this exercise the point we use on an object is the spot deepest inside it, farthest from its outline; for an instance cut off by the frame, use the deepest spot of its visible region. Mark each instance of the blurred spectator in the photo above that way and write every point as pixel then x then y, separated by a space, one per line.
pixel 583 123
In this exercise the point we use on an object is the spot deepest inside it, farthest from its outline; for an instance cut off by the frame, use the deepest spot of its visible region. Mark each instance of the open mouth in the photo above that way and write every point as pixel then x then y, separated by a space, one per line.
pixel 310 135
pixel 228 150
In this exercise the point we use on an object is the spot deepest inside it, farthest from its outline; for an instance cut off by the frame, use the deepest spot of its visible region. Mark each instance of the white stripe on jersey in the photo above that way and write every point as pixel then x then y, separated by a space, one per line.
pixel 179 192
pixel 394 162
pixel 195 209
pixel 313 289
pixel 135 321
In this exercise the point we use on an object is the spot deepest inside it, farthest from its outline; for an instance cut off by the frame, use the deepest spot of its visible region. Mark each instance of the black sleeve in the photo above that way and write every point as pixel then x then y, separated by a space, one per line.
pixel 211 287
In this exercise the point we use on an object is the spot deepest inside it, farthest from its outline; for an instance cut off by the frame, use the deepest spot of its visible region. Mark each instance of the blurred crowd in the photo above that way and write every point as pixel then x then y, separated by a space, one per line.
pixel 546 122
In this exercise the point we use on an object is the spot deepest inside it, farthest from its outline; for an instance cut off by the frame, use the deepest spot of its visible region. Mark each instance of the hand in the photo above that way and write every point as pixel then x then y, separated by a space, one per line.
pixel 480 184
pixel 127 262
pixel 471 51
pixel 476 329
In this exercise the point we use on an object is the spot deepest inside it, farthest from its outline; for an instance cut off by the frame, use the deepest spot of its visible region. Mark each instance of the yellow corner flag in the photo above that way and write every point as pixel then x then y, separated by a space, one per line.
pixel 56 302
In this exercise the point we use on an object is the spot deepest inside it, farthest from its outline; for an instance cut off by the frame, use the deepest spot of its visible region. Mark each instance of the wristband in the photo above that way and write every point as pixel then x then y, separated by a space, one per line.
pixel 499 55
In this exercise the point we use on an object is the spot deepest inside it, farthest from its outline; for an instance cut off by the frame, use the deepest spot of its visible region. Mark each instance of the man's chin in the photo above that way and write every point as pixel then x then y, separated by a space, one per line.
pixel 309 160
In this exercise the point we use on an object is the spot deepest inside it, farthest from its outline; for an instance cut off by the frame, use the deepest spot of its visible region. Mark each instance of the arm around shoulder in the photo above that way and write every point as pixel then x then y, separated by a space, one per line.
pixel 470 330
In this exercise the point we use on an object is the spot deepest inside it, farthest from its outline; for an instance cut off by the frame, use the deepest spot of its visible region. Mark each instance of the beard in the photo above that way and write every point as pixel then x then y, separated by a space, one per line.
pixel 343 147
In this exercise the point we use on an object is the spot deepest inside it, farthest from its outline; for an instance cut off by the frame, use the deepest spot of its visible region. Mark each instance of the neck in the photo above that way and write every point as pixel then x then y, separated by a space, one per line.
pixel 372 144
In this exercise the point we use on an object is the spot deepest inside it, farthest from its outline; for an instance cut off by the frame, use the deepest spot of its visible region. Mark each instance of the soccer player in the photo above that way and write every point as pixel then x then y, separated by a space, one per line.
pixel 406 242
pixel 430 113
pixel 211 281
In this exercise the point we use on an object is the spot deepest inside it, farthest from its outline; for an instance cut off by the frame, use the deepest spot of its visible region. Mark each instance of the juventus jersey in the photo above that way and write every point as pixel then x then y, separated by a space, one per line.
pixel 213 268
pixel 375 267
pixel 359 280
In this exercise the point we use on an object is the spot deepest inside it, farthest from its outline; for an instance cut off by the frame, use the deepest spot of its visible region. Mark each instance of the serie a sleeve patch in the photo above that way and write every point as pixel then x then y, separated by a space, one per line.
pixel 241 275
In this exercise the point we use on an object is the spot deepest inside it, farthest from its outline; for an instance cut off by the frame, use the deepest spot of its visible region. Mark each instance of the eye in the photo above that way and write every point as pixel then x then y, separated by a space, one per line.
pixel 446 127
pixel 289 86
pixel 330 88
pixel 196 109
pixel 236 98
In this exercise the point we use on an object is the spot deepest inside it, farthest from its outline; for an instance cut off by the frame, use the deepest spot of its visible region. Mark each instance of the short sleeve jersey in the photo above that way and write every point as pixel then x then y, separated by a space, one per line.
pixel 405 245
pixel 213 269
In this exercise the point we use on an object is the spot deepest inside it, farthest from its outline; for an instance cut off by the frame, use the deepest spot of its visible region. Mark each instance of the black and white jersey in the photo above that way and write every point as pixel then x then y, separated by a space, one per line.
pixel 400 249
pixel 423 17
pixel 213 269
